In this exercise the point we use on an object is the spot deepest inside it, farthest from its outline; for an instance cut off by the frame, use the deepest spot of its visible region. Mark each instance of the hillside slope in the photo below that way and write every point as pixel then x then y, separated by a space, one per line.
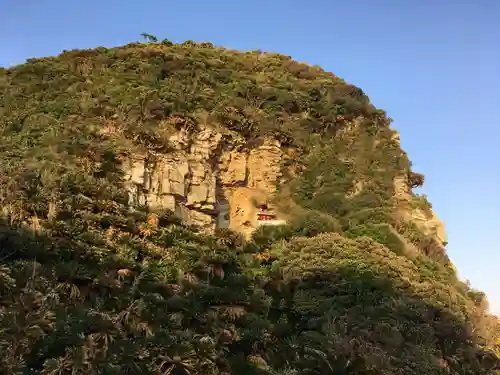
pixel 131 179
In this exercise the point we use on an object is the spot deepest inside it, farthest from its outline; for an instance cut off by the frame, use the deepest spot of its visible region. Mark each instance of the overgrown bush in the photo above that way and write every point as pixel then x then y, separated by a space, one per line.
pixel 311 223
pixel 381 233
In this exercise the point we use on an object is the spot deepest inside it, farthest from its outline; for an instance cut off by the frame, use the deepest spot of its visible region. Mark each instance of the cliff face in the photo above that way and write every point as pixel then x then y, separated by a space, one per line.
pixel 210 179
pixel 214 180
pixel 425 219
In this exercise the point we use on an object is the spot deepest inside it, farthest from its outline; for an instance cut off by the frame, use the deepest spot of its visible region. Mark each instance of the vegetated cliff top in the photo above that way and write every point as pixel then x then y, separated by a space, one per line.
pixel 354 284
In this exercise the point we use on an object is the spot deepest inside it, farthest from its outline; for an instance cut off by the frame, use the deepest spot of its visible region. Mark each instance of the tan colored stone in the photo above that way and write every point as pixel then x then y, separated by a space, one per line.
pixel 233 168
pixel 197 194
pixel 401 189
pixel 167 202
pixel 243 209
pixel 186 181
pixel 430 226
pixel 356 190
pixel 396 137
pixel 264 167
pixel 426 220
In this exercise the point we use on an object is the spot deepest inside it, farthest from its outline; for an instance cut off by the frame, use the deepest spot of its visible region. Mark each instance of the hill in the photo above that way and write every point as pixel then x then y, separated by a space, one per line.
pixel 134 181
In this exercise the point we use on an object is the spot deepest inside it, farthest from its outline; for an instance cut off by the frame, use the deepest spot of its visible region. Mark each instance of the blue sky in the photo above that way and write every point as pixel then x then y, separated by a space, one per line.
pixel 432 65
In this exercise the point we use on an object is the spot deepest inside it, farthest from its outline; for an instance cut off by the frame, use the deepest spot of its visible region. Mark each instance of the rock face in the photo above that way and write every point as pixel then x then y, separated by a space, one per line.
pixel 426 220
pixel 211 179
pixel 429 224
pixel 214 180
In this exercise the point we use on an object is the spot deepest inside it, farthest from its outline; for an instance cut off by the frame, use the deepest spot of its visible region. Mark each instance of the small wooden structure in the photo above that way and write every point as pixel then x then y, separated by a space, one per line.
pixel 265 216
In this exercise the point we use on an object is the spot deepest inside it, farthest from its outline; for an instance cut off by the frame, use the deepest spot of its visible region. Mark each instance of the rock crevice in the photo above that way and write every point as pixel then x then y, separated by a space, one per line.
pixel 210 179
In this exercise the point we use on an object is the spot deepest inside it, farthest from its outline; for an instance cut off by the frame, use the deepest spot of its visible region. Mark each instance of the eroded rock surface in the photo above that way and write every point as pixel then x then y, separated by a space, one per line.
pixel 426 220
pixel 210 179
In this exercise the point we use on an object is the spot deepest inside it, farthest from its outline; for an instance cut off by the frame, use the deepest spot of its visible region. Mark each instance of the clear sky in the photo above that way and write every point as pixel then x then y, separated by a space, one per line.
pixel 432 65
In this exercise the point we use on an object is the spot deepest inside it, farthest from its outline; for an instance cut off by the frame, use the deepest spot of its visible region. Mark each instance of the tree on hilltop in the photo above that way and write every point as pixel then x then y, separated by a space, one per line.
pixel 149 37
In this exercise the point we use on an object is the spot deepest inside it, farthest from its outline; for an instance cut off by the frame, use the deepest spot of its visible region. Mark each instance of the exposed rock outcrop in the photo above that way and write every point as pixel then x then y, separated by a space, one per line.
pixel 426 220
pixel 429 224
pixel 211 179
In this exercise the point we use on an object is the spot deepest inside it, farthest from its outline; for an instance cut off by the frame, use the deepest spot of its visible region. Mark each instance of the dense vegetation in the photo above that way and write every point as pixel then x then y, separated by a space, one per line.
pixel 88 286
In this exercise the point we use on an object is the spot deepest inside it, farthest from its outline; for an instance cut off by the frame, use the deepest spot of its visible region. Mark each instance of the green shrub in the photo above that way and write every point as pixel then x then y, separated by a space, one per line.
pixel 266 235
pixel 311 223
pixel 382 233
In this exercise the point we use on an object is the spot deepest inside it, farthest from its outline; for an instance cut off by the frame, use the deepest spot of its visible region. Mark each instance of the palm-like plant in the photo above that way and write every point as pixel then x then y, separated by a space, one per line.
pixel 149 37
